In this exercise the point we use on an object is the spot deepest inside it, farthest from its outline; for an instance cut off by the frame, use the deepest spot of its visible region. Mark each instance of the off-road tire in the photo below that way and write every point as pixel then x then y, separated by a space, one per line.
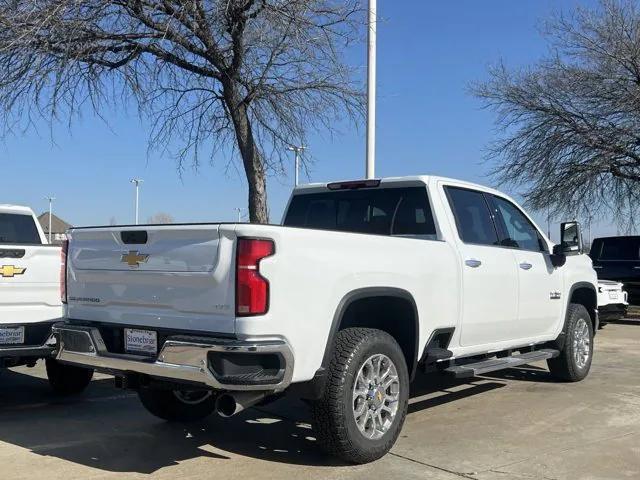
pixel 165 404
pixel 67 379
pixel 564 367
pixel 334 423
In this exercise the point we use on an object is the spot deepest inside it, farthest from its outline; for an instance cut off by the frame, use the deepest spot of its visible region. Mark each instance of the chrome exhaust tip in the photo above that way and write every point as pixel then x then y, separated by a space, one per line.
pixel 228 405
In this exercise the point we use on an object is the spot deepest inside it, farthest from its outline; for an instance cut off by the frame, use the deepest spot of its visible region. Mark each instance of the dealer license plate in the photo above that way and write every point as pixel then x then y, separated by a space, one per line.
pixel 140 341
pixel 11 335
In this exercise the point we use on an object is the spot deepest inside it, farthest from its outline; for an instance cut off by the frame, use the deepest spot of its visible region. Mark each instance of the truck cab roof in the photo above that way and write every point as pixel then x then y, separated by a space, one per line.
pixel 396 181
pixel 8 208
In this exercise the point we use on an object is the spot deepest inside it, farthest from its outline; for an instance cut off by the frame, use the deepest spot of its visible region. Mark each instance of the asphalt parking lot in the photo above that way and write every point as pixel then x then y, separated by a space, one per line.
pixel 516 424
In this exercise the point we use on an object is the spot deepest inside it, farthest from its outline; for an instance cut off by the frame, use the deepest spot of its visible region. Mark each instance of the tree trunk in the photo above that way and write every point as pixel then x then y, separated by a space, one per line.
pixel 251 160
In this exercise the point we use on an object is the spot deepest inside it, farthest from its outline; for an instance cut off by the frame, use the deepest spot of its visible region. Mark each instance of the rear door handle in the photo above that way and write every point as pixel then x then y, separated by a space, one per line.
pixel 473 263
pixel 525 266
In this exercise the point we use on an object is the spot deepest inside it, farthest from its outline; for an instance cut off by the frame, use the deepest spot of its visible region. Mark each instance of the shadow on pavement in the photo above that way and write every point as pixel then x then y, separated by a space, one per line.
pixel 108 429
pixel 624 321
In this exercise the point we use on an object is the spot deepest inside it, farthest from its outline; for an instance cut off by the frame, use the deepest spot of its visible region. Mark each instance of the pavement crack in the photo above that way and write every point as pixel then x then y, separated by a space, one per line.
pixel 567 449
pixel 521 475
pixel 452 472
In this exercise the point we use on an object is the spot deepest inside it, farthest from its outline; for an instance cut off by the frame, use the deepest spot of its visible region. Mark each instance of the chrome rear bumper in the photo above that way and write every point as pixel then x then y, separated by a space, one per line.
pixel 181 359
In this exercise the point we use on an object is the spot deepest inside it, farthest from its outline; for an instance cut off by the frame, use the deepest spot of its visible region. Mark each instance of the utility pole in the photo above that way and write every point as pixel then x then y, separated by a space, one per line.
pixel 50 199
pixel 371 90
pixel 137 182
pixel 297 151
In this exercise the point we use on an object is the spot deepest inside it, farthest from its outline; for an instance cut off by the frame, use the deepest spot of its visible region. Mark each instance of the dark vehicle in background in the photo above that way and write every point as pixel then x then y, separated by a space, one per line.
pixel 618 259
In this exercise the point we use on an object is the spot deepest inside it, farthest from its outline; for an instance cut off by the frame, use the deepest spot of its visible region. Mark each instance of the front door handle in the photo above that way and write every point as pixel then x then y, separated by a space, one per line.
pixel 473 263
pixel 525 266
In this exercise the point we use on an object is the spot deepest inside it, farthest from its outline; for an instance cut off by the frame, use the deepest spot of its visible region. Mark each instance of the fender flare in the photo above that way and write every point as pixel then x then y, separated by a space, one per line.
pixel 370 292
pixel 573 288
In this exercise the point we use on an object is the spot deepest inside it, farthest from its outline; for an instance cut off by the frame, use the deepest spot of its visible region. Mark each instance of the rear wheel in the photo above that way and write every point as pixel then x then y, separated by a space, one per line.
pixel 67 379
pixel 178 405
pixel 364 404
pixel 574 362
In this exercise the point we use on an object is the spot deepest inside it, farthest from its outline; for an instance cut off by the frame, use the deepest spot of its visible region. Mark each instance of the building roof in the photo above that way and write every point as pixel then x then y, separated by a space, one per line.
pixel 57 224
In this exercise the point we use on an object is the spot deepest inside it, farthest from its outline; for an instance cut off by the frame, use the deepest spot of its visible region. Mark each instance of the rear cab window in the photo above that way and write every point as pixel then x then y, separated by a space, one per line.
pixel 18 229
pixel 400 211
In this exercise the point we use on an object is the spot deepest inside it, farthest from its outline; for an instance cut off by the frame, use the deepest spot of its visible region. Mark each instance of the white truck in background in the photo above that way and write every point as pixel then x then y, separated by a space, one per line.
pixel 30 298
pixel 613 301
pixel 365 284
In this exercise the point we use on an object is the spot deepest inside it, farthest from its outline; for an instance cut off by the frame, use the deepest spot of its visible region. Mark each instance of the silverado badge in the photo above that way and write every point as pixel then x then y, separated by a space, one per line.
pixel 9 271
pixel 134 258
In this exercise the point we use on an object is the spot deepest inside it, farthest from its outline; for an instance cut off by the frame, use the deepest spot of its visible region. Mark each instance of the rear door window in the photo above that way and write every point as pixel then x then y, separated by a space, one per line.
pixel 18 230
pixel 620 249
pixel 386 211
pixel 473 217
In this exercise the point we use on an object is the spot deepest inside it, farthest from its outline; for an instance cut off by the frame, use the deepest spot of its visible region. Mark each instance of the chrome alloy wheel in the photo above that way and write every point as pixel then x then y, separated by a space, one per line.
pixel 192 397
pixel 581 343
pixel 376 392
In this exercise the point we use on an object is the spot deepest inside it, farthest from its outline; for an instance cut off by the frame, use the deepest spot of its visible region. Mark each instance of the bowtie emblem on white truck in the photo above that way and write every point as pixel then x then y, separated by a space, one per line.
pixel 10 271
pixel 134 258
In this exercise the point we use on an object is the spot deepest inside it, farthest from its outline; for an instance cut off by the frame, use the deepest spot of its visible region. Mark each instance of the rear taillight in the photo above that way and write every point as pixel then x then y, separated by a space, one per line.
pixel 252 290
pixel 63 271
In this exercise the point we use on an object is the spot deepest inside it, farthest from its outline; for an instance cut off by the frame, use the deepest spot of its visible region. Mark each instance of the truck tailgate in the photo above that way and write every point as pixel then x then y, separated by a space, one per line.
pixel 29 283
pixel 175 277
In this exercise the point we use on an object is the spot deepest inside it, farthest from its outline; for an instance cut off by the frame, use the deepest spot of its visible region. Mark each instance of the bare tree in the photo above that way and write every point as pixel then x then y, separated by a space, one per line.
pixel 244 77
pixel 570 125
pixel 160 218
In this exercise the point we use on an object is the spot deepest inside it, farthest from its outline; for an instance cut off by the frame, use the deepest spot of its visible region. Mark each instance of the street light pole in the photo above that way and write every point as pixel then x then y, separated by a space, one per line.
pixel 297 150
pixel 51 199
pixel 137 182
pixel 371 90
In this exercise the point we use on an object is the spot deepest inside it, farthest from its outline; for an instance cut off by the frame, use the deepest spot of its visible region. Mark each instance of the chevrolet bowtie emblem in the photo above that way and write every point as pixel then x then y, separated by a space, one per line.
pixel 134 258
pixel 9 271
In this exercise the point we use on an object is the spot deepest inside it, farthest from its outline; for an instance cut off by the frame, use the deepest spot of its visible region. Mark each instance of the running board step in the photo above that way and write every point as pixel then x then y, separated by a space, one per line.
pixel 493 364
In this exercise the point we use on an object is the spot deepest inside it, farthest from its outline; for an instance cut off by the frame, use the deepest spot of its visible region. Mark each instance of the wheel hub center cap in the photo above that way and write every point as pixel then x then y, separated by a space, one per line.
pixel 376 397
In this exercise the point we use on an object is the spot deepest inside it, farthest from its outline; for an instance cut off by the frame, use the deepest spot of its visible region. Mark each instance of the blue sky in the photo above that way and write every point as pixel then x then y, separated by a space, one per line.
pixel 428 53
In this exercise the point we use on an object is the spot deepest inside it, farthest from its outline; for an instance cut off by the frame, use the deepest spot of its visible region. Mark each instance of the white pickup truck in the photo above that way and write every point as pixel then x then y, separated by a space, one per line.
pixel 364 284
pixel 613 301
pixel 30 303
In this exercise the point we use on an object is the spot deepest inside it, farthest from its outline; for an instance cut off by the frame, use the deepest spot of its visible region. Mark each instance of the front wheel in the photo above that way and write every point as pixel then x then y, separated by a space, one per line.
pixel 364 405
pixel 574 362
pixel 178 405
pixel 67 379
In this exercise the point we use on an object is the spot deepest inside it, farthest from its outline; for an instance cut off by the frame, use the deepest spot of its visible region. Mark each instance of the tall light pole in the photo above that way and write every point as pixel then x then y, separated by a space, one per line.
pixel 137 182
pixel 297 151
pixel 50 199
pixel 371 90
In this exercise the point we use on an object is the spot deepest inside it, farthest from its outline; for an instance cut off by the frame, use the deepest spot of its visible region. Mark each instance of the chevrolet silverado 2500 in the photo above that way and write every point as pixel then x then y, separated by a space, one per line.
pixel 364 284
pixel 30 272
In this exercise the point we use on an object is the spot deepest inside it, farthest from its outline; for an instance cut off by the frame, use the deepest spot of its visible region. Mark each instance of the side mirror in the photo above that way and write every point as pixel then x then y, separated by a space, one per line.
pixel 571 238
pixel 570 243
